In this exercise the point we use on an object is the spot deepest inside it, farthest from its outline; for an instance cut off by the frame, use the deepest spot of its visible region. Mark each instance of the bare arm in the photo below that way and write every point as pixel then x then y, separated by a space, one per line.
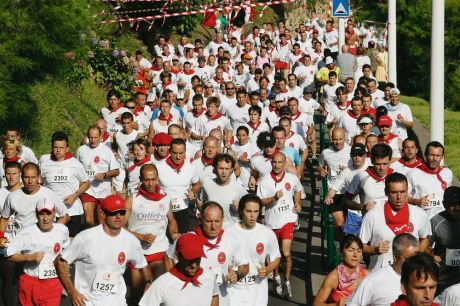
pixel 20 258
pixel 62 269
pixel 329 284
pixel 215 300
pixel 172 224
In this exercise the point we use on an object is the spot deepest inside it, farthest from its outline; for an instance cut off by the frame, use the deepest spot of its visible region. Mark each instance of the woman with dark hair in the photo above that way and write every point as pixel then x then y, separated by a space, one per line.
pixel 340 283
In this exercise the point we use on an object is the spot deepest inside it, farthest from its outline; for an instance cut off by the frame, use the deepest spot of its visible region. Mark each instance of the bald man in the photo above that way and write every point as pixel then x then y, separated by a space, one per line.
pixel 346 62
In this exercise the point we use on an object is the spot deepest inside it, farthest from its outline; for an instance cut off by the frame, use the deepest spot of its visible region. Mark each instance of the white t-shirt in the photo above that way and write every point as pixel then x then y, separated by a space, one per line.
pixel 281 211
pixel 300 124
pixel 97 160
pixel 330 96
pixel 64 178
pixel 176 184
pixel 32 240
pixel 375 230
pixel 168 290
pixel 295 141
pixel 371 292
pixel 335 112
pixel 261 246
pixel 308 107
pixel 238 116
pixel 350 125
pixel 422 184
pixel 150 217
pixel 23 206
pixel 451 296
pixel 204 125
pixel 403 110
pixel 345 178
pixel 368 188
pixel 99 270
pixel 378 98
pixel 336 161
pixel 399 167
pixel 111 116
pixel 122 141
pixel 225 195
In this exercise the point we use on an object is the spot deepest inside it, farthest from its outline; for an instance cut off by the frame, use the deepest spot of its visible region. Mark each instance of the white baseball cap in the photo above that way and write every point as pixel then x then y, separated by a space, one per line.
pixel 45 204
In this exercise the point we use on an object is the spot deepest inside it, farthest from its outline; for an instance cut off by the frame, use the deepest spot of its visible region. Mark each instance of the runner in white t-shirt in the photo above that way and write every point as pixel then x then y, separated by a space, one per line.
pixel 139 149
pixel 148 216
pixel 67 177
pixel 188 282
pixel 280 192
pixel 101 166
pixel 409 159
pixel 112 113
pixel 36 247
pixel 260 242
pixel 382 223
pixel 125 136
pixel 101 255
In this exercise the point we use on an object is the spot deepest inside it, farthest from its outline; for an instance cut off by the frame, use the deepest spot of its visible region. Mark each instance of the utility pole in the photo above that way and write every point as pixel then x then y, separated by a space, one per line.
pixel 392 68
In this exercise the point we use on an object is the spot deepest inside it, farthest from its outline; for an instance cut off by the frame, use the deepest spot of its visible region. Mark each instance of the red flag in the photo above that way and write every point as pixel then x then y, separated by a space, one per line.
pixel 210 20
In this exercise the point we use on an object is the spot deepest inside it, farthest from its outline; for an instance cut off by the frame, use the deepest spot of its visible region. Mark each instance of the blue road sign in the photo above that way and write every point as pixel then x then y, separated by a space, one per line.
pixel 340 8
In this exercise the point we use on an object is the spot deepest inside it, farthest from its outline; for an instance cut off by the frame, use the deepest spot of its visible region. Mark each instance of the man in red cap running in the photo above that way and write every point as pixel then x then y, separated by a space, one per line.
pixel 187 282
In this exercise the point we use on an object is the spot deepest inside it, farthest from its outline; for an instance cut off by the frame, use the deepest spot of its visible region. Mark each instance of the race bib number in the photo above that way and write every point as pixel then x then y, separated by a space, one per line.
pixel 177 203
pixel 105 282
pixel 91 172
pixel 248 280
pixel 283 205
pixel 60 178
pixel 112 128
pixel 434 200
pixel 46 270
pixel 453 257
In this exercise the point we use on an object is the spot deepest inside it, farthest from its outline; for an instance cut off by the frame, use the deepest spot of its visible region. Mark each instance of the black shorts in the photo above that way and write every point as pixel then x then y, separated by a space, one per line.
pixel 74 225
pixel 337 204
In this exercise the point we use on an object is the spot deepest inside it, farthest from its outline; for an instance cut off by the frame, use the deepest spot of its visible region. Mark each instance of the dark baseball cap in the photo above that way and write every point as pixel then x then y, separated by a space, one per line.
pixel 285 111
pixel 308 89
pixel 358 149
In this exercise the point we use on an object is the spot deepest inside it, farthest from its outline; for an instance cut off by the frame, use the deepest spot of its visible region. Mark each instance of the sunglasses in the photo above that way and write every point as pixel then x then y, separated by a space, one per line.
pixel 114 213
pixel 229 88
pixel 130 107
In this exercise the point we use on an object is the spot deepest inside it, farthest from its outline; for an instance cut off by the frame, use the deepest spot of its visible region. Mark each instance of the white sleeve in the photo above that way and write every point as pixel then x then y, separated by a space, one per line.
pixel 76 249
pixel 355 185
pixel 6 211
pixel 360 295
pixel 365 233
pixel 61 209
pixel 113 162
pixel 18 244
pixel 137 258
pixel 298 186
pixel 408 114
pixel 154 295
pixel 274 247
pixel 425 228
pixel 81 174
pixel 171 251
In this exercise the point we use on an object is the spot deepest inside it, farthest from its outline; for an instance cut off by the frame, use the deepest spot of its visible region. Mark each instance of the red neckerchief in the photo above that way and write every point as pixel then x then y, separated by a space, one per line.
pixel 205 240
pixel 158 157
pixel 67 156
pixel 370 171
pixel 207 161
pixel 401 301
pixel 138 163
pixel 105 136
pixel 388 139
pixel 168 119
pixel 253 126
pixel 417 162
pixel 282 45
pixel 269 157
pixel 137 110
pixel 329 30
pixel 370 111
pixel 157 196
pixel 277 180
pixel 115 109
pixel 254 36
pixel 175 167
pixel 298 53
pixel 425 169
pixel 196 115
pixel 156 68
pixel 189 72
pixel 293 118
pixel 368 154
pixel 398 223
pixel 164 85
pixel 194 279
pixel 271 108
pixel 12 159
pixel 284 91
pixel 340 107
pixel 352 115
pixel 214 117
pixel 291 133
pixel 175 69
pixel 217 80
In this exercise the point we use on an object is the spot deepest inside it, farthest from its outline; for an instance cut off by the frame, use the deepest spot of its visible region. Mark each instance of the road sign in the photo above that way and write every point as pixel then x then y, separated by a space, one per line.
pixel 340 8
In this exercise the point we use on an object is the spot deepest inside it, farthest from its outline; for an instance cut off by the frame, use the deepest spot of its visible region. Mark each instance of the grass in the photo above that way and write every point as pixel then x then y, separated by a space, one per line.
pixel 421 110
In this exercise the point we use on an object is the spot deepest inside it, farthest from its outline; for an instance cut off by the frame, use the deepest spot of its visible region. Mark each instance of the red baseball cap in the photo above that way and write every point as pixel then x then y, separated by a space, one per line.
pixel 113 203
pixel 384 121
pixel 162 139
pixel 190 246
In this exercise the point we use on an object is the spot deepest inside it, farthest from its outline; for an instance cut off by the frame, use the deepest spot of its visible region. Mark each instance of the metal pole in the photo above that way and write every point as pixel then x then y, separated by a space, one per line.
pixel 437 72
pixel 392 69
pixel 341 33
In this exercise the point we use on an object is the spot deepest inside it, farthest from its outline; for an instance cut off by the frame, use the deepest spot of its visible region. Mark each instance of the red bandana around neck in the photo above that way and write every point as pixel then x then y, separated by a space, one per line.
pixel 436 172
pixel 175 167
pixel 253 126
pixel 168 119
pixel 67 156
pixel 416 163
pixel 218 81
pixel 196 115
pixel 343 108
pixel 214 117
pixel 105 136
pixel 388 139
pixel 158 157
pixel 269 157
pixel 293 118
pixel 12 159
pixel 113 110
pixel 398 223
pixel 166 84
pixel 401 301
pixel 205 240
pixel 137 110
pixel 194 279
pixel 371 172
pixel 157 196
pixel 352 115
pixel 207 161
pixel 139 163
pixel 277 180
pixel 190 72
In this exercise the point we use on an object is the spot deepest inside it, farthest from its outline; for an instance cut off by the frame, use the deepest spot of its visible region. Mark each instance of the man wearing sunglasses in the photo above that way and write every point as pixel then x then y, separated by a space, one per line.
pixel 101 254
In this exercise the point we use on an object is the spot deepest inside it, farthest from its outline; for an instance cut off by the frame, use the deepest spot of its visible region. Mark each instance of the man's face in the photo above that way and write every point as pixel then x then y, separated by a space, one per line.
pixel 286 126
pixel 367 72
pixel 370 142
pixel 197 105
pixel 45 220
pixel 149 180
pixel 342 97
pixel 350 85
pixel 381 166
pixel 175 132
pixel 114 220
pixel 59 149
pixel 293 106
pixel 165 108
pixel 188 267
pixel 223 171
pixel 332 80
pixel 338 140
pixel 211 222
pixel 127 124
pixel 366 103
pixel 292 81
pixel 358 160
pixel 254 116
pixel 113 101
pixel 371 87
pixel 282 85
pixel 434 157
pixel 356 107
pixel 394 99
pixel 410 149
pixel 397 194
pixel 212 109
pixel 454 210
pixel 162 150
pixel 241 99
pixel 420 292
pixel 250 214
pixel 280 138
pixel 94 138
pixel 278 163
pixel 141 100
pixel 210 149
pixel 12 176
pixel 31 179
pixel 385 130
pixel 177 153
pixel 386 91
pixel 11 135
pixel 242 137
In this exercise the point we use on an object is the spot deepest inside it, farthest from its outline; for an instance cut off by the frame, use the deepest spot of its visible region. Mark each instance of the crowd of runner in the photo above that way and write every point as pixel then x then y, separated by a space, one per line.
pixel 221 133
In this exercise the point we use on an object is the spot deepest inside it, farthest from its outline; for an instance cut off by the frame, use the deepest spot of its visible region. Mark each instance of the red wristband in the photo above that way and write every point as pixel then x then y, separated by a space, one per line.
pixel 2 234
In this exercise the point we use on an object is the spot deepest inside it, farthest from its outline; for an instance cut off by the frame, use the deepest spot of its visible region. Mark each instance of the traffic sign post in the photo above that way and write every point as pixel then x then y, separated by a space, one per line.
pixel 340 8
